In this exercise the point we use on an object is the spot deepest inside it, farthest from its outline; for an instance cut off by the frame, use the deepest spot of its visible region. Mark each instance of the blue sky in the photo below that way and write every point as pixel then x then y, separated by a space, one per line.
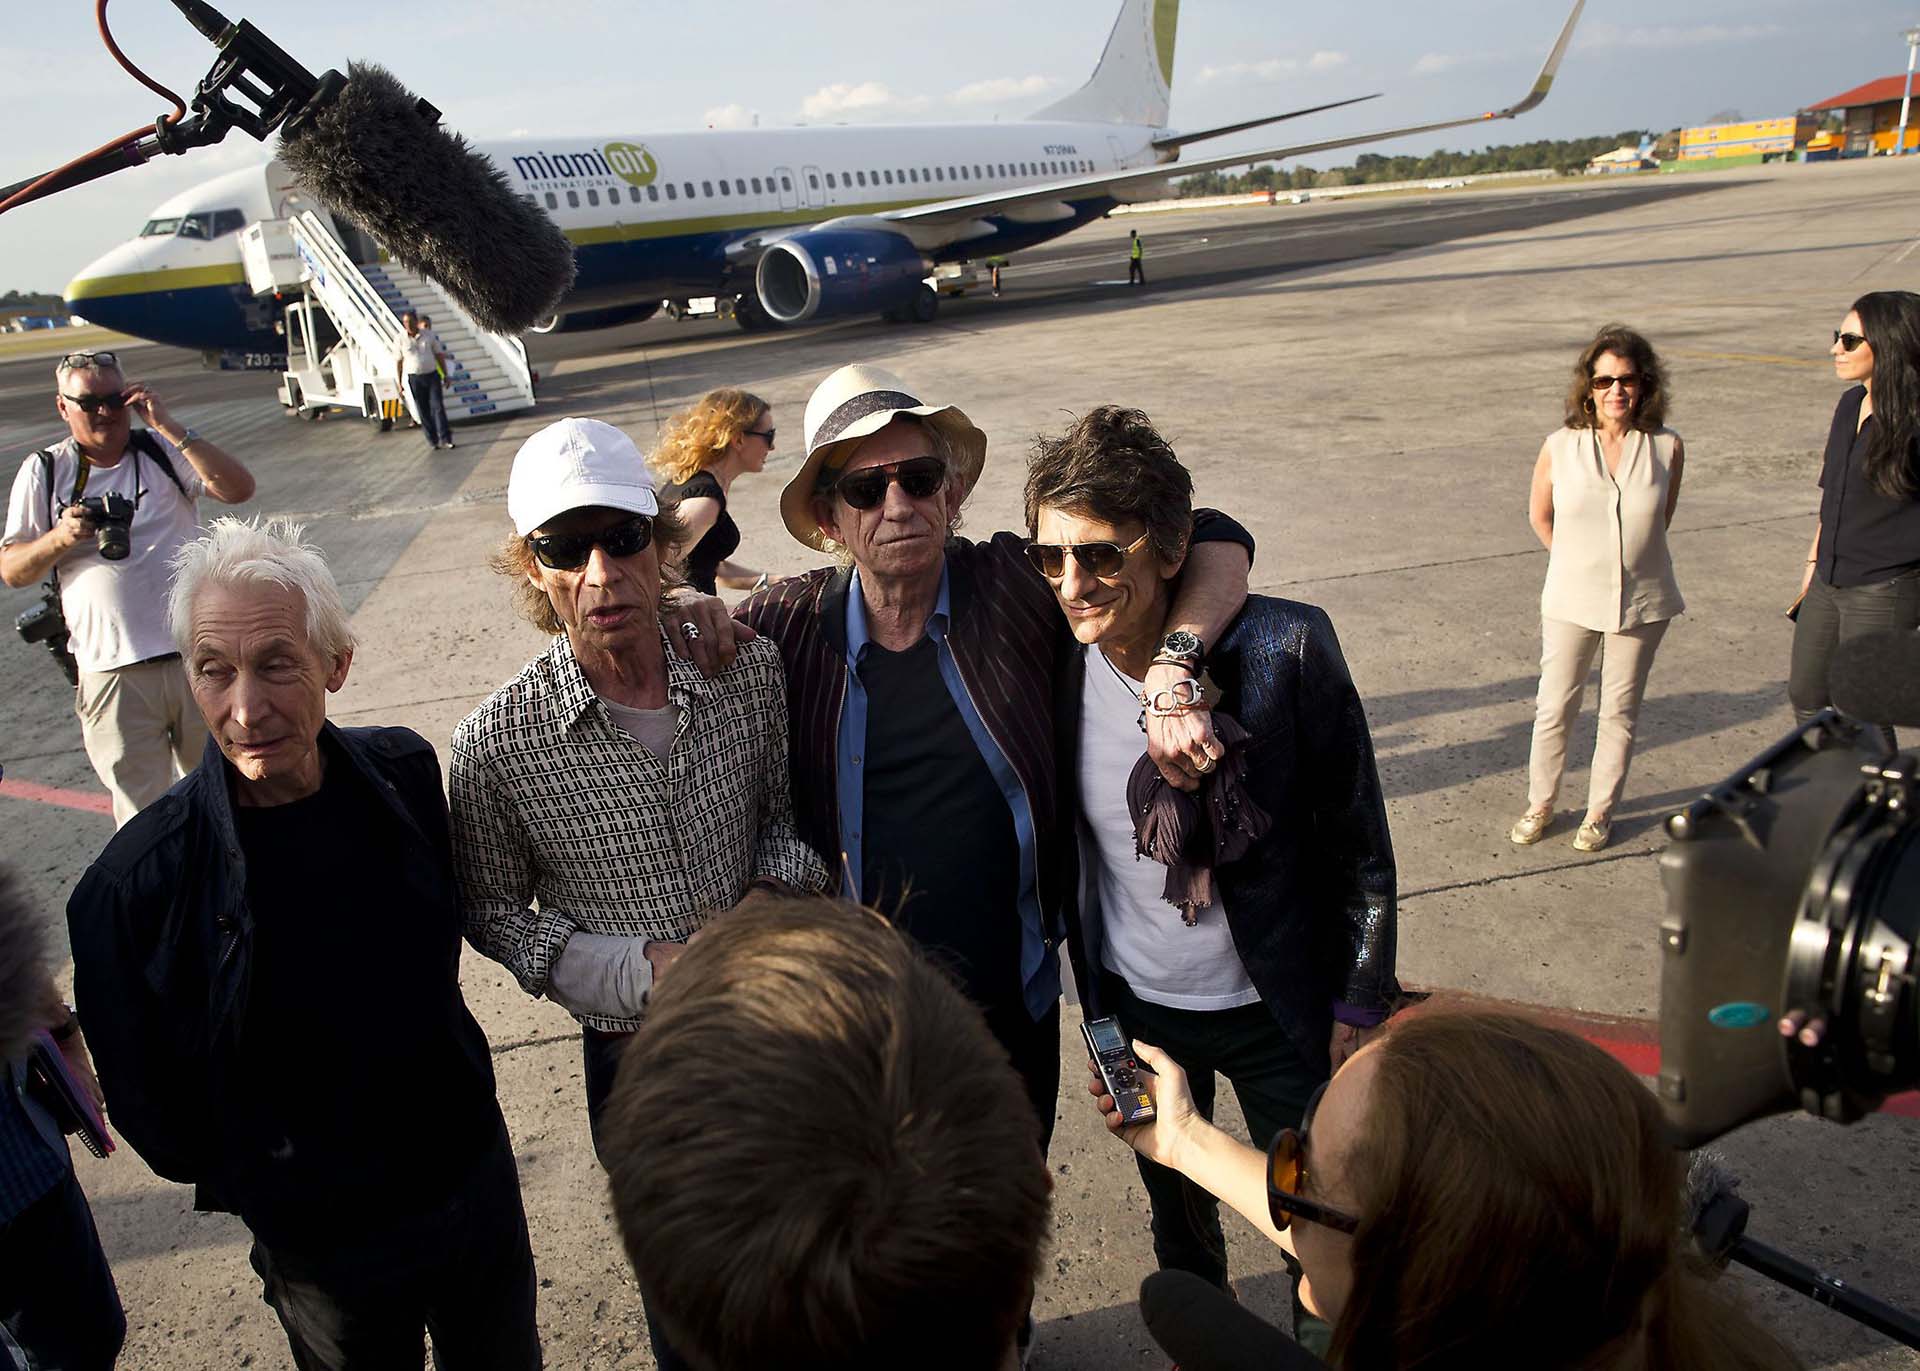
pixel 549 67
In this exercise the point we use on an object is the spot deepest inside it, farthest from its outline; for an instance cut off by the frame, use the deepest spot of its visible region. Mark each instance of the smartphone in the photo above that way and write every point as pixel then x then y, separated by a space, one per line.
pixel 1113 1058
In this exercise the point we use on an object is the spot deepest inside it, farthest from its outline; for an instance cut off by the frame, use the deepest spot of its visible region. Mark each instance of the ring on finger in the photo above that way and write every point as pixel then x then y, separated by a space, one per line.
pixel 692 630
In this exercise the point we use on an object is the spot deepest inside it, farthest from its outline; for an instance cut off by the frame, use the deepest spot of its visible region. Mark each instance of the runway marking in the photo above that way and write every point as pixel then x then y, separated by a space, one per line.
pixel 54 795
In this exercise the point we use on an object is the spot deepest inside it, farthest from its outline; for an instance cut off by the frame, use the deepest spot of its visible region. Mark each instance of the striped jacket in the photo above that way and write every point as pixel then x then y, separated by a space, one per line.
pixel 1007 636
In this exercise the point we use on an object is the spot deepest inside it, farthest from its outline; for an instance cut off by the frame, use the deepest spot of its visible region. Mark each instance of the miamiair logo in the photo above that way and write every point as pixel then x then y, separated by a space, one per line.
pixel 630 162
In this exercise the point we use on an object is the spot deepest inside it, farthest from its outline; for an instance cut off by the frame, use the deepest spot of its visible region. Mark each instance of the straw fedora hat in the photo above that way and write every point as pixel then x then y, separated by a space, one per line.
pixel 856 402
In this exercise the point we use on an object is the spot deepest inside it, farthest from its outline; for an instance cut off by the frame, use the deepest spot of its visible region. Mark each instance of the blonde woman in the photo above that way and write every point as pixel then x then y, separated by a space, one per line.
pixel 1604 490
pixel 699 455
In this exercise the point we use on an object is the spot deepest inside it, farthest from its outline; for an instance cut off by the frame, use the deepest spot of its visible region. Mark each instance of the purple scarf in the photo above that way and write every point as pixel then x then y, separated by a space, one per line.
pixel 1168 827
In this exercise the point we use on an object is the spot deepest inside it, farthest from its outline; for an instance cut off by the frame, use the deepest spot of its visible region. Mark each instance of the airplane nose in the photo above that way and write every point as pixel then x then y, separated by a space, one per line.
pixel 107 290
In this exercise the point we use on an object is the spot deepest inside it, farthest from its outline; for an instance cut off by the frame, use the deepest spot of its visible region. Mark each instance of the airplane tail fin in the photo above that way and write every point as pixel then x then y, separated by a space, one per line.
pixel 1134 82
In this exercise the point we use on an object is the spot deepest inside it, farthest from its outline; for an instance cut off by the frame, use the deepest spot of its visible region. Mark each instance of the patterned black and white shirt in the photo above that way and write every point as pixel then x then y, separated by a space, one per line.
pixel 563 823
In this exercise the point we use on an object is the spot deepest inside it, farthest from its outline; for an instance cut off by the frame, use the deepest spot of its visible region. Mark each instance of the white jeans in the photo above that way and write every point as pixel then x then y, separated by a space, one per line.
pixel 1566 656
pixel 142 729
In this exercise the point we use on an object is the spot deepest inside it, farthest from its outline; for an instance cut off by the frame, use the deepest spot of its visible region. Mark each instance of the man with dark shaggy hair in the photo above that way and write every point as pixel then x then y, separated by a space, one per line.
pixel 820 1157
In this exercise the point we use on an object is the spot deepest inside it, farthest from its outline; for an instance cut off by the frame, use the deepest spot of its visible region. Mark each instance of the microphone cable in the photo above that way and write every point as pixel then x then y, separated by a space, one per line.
pixel 125 142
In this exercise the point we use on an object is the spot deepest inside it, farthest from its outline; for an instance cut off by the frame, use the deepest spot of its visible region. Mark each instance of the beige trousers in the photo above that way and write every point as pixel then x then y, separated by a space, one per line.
pixel 1566 656
pixel 142 729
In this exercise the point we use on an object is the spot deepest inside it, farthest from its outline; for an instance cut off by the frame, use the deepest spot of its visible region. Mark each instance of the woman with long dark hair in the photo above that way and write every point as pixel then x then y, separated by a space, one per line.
pixel 1472 1189
pixel 1863 567
pixel 1605 486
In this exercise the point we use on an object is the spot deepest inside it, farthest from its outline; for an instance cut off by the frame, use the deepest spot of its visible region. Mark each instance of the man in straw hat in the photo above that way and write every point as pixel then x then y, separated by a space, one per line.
pixel 610 799
pixel 921 674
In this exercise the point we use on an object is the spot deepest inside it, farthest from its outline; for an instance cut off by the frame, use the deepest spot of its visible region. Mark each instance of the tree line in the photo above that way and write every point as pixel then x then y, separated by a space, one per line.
pixel 1569 156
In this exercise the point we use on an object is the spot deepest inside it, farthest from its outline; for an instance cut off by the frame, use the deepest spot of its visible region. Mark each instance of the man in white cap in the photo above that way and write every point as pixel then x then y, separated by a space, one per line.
pixel 610 799
pixel 922 676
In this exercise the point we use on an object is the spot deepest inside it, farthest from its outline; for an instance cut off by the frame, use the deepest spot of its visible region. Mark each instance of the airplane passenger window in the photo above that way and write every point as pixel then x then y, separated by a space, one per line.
pixel 939 175
pixel 670 191
pixel 756 185
pixel 889 176
pixel 830 185
pixel 740 184
pixel 653 192
pixel 724 189
pixel 912 174
pixel 706 187
pixel 553 201
pixel 573 199
pixel 593 197
pixel 812 180
pixel 976 171
pixel 785 184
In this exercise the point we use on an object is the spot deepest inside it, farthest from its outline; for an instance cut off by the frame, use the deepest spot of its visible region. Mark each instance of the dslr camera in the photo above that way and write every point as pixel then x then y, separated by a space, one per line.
pixel 1793 898
pixel 112 517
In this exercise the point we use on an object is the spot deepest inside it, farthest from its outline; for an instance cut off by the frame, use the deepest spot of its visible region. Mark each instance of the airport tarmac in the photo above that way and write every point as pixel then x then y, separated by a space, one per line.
pixel 1365 386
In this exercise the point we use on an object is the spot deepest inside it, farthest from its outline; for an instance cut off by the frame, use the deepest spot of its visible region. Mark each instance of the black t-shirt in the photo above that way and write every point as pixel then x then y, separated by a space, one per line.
pixel 718 543
pixel 1866 536
pixel 365 1089
pixel 938 851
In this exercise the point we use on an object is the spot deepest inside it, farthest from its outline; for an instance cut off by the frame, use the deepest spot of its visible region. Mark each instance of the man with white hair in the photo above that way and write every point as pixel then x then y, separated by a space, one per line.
pixel 218 943
pixel 136 717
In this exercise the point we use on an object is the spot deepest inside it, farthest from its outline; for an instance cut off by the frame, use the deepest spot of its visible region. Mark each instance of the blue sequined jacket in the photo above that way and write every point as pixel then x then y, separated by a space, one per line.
pixel 1312 907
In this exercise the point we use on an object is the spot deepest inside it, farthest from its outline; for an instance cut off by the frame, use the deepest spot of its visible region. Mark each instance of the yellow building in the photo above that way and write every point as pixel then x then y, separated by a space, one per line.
pixel 1872 116
pixel 1751 138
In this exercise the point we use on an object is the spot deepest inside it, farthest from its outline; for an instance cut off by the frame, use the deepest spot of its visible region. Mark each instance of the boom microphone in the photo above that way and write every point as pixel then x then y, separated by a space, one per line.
pixel 379 157
pixel 1875 679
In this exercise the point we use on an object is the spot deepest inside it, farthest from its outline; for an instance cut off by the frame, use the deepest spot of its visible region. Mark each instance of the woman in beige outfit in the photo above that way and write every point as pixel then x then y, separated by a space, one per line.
pixel 1604 491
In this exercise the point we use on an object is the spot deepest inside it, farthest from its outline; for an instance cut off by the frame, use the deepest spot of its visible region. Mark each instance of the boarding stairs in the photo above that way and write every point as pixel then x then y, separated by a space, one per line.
pixel 486 373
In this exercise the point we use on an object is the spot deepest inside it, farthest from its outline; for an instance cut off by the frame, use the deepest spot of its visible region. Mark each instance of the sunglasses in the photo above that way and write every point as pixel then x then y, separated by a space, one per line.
pixel 93 404
pixel 1096 559
pixel 763 433
pixel 84 361
pixel 569 551
pixel 1287 1178
pixel 920 477
pixel 1848 341
pixel 1602 384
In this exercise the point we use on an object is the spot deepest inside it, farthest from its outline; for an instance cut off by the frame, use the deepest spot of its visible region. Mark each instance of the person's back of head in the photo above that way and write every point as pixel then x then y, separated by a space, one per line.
pixel 820 1157
pixel 1522 1205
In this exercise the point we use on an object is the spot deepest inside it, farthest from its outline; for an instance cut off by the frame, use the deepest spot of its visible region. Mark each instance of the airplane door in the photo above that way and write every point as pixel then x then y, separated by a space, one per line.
pixel 789 196
pixel 1119 157
pixel 811 188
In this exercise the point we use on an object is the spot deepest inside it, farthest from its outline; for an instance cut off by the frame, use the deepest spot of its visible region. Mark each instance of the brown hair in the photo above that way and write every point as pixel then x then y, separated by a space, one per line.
pixel 1113 465
pixel 1650 405
pixel 1520 1202
pixel 820 1157
pixel 698 436
pixel 513 559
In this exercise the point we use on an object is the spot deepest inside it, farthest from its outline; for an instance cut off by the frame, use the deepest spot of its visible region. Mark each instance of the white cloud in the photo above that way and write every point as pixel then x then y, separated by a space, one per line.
pixel 869 97
pixel 1328 61
pixel 1002 88
pixel 1273 68
pixel 1431 62
pixel 734 116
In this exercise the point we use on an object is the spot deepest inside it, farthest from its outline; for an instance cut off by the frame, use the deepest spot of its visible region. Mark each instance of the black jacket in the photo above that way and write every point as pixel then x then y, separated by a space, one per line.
pixel 1312 906
pixel 162 939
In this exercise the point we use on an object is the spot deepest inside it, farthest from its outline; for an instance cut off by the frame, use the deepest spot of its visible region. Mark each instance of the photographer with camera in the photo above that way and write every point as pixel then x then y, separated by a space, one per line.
pixel 99 514
pixel 1479 1190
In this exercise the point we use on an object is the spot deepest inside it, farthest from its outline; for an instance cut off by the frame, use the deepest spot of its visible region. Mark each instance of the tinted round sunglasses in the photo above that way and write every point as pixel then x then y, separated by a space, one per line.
pixel 1287 1179
pixel 920 477
pixel 1096 559
pixel 1848 341
pixel 1605 383
pixel 569 551
pixel 93 404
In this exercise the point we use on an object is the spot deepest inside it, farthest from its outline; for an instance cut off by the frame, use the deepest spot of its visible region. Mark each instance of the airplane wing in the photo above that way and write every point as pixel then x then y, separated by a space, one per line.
pixel 924 223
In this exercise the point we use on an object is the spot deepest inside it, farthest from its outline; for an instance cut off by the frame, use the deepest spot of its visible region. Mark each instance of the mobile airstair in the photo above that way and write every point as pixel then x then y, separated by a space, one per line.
pixel 343 329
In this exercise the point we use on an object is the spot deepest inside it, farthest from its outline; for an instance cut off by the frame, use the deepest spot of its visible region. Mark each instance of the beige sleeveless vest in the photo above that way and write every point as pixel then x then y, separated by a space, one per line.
pixel 1610 569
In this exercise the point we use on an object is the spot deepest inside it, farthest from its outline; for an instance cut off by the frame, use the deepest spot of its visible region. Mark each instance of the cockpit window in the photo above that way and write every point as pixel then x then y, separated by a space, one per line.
pixel 214 224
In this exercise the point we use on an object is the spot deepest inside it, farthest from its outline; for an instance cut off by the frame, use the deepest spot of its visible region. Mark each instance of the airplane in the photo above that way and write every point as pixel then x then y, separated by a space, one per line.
pixel 792 224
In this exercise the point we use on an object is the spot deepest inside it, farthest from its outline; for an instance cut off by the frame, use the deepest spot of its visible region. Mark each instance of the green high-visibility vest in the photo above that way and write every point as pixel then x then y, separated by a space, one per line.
pixel 1136 249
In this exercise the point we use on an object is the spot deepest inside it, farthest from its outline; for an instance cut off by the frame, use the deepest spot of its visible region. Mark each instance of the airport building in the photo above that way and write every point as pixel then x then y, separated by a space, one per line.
pixel 1871 115
pixel 1751 140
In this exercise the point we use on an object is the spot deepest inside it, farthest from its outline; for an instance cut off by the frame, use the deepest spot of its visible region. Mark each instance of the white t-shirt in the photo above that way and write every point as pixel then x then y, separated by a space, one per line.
pixel 116 611
pixel 418 353
pixel 653 729
pixel 1143 939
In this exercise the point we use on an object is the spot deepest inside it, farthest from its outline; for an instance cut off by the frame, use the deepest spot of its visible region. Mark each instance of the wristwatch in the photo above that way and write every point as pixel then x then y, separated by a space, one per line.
pixel 187 440
pixel 1181 648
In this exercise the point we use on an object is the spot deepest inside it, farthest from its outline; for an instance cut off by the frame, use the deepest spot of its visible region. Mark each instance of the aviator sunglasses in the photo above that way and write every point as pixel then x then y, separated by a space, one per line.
pixel 1287 1178
pixel 1848 341
pixel 569 551
pixel 1096 559
pixel 920 477
pixel 1606 383
pixel 93 404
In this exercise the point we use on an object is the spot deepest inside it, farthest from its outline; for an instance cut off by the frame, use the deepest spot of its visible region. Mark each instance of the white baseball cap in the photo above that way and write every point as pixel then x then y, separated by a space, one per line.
pixel 576 464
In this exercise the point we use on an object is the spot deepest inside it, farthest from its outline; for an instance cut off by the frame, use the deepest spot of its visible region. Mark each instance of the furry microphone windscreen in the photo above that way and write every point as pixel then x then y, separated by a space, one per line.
pixel 23 975
pixel 432 201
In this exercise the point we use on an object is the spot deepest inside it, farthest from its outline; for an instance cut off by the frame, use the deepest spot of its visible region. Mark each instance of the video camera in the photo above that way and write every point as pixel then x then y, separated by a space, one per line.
pixel 1793 895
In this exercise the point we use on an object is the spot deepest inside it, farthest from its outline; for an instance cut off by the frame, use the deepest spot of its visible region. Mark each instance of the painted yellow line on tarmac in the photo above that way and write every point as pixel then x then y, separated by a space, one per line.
pixel 1767 358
